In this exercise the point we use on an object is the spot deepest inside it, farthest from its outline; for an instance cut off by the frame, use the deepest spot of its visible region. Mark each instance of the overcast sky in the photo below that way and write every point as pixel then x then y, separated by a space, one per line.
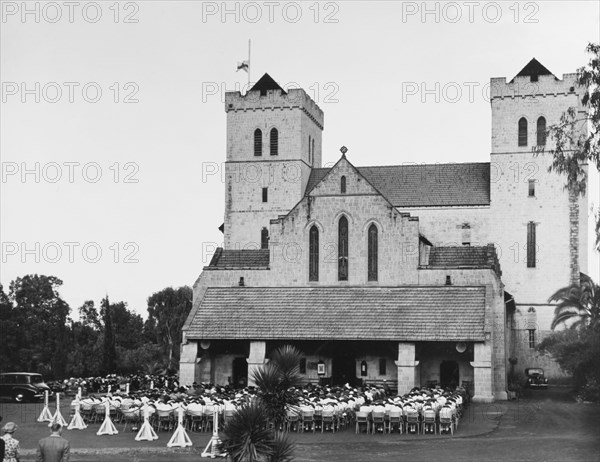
pixel 130 111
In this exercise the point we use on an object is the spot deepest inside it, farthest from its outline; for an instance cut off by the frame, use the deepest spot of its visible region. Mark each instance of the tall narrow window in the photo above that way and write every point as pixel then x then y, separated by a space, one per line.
pixel 522 131
pixel 541 131
pixel 343 249
pixel 258 142
pixel 265 194
pixel 372 253
pixel 309 138
pixel 264 238
pixel 531 338
pixel 531 188
pixel 343 185
pixel 466 234
pixel 313 149
pixel 274 142
pixel 313 254
pixel 531 244
pixel 302 366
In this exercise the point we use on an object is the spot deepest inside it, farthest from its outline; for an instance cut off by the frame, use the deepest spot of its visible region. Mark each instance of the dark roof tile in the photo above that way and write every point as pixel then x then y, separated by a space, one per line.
pixel 223 259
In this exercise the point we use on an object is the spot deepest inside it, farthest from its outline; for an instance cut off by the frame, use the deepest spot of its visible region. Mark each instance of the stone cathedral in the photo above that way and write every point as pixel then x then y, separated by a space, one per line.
pixel 409 274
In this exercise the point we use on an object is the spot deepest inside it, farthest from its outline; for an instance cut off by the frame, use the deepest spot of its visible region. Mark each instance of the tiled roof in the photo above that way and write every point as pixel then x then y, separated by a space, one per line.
pixel 425 185
pixel 458 256
pixel 444 313
pixel 240 259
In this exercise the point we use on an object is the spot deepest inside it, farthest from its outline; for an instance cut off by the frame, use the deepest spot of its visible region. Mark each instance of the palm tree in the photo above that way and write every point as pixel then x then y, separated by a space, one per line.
pixel 578 304
pixel 252 435
pixel 276 381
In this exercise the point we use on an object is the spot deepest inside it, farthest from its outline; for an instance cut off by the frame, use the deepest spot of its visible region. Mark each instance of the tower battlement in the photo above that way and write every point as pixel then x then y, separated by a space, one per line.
pixel 524 86
pixel 275 99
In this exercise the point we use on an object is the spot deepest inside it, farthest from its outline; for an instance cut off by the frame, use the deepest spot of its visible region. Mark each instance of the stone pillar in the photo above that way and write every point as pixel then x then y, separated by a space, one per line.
pixel 407 367
pixel 256 359
pixel 482 373
pixel 187 363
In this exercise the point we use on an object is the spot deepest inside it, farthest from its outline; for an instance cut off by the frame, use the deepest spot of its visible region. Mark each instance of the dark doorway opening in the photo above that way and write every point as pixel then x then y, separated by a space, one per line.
pixel 449 376
pixel 240 372
pixel 343 367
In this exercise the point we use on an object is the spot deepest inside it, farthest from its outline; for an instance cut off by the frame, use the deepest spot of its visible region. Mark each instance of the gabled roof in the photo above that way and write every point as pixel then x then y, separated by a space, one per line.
pixel 266 83
pixel 440 313
pixel 229 259
pixel 534 67
pixel 431 185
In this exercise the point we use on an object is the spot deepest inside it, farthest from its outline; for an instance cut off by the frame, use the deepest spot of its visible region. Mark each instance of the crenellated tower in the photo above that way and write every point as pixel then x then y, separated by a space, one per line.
pixel 274 139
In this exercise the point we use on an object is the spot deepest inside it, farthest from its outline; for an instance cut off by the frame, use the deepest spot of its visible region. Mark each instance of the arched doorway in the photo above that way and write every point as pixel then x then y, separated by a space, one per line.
pixel 449 375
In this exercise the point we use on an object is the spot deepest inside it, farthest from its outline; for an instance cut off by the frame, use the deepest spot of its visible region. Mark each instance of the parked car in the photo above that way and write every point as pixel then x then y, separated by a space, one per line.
pixel 535 378
pixel 22 386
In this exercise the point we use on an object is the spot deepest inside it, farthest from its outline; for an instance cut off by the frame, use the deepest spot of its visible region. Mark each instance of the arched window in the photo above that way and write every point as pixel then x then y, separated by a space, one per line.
pixel 264 238
pixel 343 185
pixel 541 131
pixel 274 138
pixel 373 251
pixel 313 254
pixel 343 249
pixel 258 142
pixel 522 131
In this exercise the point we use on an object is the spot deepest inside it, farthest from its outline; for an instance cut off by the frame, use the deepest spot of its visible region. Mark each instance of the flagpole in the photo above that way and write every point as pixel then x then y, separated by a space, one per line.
pixel 249 63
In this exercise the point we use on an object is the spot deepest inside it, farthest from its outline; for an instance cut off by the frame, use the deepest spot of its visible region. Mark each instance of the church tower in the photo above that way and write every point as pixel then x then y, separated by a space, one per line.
pixel 539 228
pixel 273 142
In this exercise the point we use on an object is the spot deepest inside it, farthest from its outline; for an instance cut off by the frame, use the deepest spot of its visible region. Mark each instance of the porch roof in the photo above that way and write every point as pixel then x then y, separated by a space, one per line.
pixel 409 313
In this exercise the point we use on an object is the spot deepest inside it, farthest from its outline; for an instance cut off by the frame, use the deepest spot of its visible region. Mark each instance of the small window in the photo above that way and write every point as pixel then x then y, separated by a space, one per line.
pixel 531 309
pixel 522 131
pixel 302 366
pixel 274 142
pixel 264 238
pixel 343 185
pixel 466 234
pixel 541 131
pixel 531 244
pixel 531 188
pixel 382 366
pixel 531 338
pixel 534 78
pixel 265 194
pixel 258 142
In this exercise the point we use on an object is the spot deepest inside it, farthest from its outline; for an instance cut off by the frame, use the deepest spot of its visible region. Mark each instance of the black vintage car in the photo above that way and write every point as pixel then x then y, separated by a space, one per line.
pixel 22 386
pixel 535 378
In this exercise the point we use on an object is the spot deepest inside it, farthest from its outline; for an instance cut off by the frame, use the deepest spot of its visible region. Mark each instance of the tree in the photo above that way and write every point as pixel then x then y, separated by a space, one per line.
pixel 41 315
pixel 575 146
pixel 109 357
pixel 275 382
pixel 9 332
pixel 578 305
pixel 248 438
pixel 167 312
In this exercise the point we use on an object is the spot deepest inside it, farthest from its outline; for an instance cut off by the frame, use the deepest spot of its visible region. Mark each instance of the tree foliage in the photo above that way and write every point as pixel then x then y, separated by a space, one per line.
pixel 577 136
pixel 577 304
pixel 167 312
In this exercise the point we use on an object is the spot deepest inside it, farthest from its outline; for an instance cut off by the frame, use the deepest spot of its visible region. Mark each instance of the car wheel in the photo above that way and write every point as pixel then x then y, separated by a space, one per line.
pixel 19 397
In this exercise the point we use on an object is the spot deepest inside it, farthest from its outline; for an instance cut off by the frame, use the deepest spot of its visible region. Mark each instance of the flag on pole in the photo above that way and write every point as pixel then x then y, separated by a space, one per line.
pixel 244 65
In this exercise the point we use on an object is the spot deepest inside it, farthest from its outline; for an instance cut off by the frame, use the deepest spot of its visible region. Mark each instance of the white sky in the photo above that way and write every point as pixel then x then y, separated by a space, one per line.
pixel 354 68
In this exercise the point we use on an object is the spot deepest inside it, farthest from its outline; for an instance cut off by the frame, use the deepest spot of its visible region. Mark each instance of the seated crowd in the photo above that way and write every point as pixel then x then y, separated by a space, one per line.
pixel 318 407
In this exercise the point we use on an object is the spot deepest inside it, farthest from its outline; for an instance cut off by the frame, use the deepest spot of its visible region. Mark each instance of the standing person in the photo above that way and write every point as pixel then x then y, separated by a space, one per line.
pixel 2 445
pixel 11 445
pixel 53 448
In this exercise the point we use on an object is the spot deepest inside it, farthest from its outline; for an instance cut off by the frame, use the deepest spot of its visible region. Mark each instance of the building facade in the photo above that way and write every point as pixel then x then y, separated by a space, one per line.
pixel 412 274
